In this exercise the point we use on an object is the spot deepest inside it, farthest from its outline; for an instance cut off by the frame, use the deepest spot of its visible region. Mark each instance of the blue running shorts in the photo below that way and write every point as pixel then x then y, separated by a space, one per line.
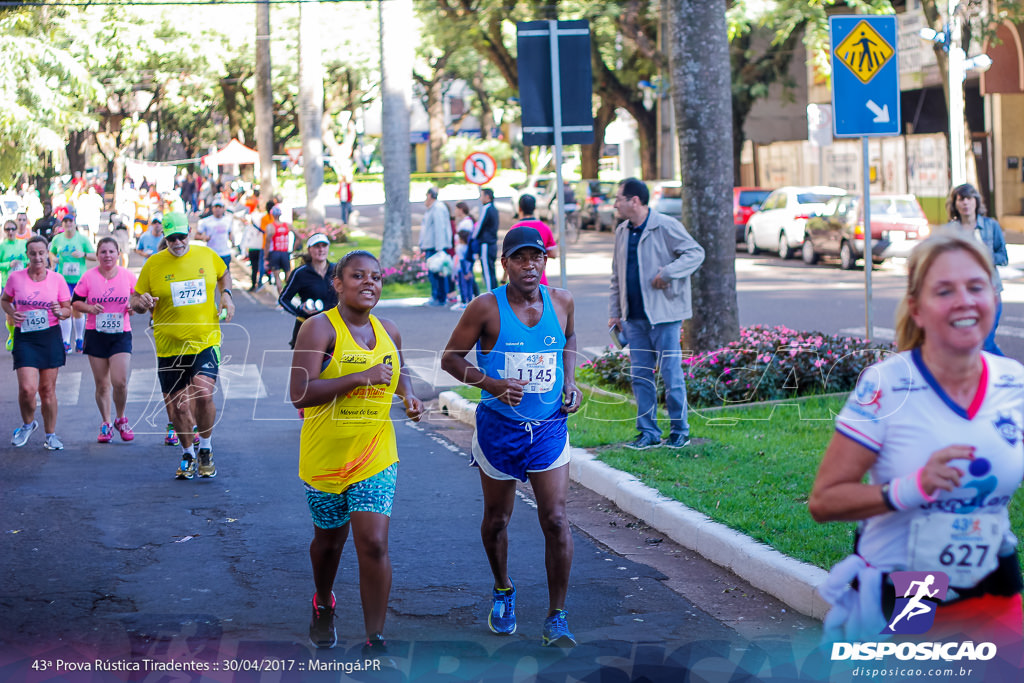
pixel 333 510
pixel 103 345
pixel 510 449
pixel 43 349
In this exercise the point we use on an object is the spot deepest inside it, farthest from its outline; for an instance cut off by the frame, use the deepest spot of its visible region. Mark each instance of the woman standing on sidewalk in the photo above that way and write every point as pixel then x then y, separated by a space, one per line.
pixel 312 283
pixel 967 212
pixel 38 300
pixel 936 429
pixel 102 295
pixel 346 369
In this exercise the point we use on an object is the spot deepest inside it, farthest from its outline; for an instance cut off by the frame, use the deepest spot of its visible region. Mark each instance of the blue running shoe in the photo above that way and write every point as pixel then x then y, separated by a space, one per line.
pixel 502 617
pixel 556 631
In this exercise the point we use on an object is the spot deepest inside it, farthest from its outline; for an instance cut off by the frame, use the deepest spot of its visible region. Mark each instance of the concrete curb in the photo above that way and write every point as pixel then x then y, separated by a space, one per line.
pixel 789 580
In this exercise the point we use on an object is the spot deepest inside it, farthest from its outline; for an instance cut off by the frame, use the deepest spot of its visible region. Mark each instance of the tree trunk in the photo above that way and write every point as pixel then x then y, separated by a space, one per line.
pixel 109 186
pixel 436 123
pixel 77 141
pixel 396 56
pixel 231 112
pixel 311 111
pixel 264 105
pixel 701 84
pixel 590 155
pixel 486 111
pixel 647 139
pixel 740 111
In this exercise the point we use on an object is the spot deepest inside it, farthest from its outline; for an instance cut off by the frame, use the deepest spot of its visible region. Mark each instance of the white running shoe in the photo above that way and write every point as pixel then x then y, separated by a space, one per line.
pixel 22 433
pixel 53 443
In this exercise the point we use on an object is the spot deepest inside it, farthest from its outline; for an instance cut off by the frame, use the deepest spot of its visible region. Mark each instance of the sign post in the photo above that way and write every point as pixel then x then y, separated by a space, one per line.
pixel 865 102
pixel 555 92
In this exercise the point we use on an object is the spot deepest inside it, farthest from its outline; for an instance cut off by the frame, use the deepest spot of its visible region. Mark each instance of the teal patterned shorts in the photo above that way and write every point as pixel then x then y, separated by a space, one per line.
pixel 333 510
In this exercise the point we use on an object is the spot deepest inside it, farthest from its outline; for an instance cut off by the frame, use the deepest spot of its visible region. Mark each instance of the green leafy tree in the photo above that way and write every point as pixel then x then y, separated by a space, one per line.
pixel 40 83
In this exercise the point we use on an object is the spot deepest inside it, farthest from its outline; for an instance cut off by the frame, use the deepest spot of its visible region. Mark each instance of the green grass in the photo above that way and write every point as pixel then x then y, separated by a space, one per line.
pixel 748 468
pixel 752 471
pixel 366 243
pixel 467 392
pixel 400 290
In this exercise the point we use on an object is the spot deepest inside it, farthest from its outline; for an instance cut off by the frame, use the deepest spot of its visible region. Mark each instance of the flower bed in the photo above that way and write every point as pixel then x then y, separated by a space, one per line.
pixel 766 363
pixel 335 232
pixel 410 269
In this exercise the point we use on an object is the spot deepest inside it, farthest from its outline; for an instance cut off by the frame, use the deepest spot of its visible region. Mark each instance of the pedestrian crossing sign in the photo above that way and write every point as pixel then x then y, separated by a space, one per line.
pixel 864 52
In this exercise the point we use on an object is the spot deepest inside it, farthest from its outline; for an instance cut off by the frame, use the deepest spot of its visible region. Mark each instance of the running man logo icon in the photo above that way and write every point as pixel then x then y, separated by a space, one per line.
pixel 918 594
pixel 864 51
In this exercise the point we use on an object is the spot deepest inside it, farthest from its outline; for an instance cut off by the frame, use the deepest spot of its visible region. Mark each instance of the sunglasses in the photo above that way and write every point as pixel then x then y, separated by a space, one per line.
pixel 176 238
pixel 10 230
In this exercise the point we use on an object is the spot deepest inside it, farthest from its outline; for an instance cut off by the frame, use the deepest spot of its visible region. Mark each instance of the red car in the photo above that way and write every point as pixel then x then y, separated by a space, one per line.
pixel 897 223
pixel 745 201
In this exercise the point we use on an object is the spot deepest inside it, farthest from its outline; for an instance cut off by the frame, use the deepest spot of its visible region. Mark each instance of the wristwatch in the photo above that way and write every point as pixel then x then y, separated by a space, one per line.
pixel 887 497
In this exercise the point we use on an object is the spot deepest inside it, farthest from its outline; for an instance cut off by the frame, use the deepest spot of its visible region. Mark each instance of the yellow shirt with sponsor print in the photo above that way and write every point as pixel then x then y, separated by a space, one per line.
pixel 351 438
pixel 185 318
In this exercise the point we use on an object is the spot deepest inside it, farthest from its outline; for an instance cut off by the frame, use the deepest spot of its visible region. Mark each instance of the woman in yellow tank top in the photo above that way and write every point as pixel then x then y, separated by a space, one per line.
pixel 344 376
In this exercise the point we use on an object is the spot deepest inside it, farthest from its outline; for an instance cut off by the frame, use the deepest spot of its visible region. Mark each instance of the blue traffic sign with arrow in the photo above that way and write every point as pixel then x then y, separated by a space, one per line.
pixel 865 76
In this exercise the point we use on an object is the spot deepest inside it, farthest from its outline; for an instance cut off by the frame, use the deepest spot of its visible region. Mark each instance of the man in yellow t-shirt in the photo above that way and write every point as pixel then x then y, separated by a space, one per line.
pixel 185 286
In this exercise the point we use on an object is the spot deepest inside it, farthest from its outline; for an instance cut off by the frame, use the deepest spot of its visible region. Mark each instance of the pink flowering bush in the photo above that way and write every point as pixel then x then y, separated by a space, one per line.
pixel 409 270
pixel 335 232
pixel 766 363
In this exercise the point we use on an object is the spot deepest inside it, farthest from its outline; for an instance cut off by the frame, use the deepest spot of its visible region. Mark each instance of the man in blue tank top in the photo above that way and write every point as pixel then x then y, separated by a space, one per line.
pixel 525 342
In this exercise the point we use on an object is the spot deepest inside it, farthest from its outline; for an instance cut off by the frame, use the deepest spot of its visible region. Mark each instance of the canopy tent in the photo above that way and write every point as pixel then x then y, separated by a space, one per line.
pixel 234 153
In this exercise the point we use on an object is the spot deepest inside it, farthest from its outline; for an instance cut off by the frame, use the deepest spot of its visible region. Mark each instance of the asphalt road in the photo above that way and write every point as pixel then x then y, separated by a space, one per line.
pixel 104 556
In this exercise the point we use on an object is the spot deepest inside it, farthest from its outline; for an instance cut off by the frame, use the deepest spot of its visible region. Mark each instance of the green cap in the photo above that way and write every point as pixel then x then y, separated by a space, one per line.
pixel 175 224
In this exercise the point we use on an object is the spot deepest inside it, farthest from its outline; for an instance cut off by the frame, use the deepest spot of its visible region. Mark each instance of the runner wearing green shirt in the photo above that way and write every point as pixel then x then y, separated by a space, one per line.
pixel 71 249
pixel 12 258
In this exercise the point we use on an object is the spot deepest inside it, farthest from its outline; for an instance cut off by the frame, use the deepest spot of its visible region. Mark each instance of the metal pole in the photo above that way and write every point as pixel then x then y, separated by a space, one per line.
pixel 869 261
pixel 556 107
pixel 957 132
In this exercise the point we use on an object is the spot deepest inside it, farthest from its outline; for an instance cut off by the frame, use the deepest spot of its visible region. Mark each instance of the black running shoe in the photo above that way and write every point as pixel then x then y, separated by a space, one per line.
pixel 322 633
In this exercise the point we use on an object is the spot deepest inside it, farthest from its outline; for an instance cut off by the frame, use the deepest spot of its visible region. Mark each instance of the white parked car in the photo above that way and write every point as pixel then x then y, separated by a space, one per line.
pixel 10 205
pixel 779 225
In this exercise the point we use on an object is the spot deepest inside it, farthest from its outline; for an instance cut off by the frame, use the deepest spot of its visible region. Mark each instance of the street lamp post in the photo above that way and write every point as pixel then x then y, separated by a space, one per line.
pixel 957 129
pixel 957 66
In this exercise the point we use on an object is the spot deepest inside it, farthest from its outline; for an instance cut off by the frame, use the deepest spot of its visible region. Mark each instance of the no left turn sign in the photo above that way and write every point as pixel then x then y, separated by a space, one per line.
pixel 479 168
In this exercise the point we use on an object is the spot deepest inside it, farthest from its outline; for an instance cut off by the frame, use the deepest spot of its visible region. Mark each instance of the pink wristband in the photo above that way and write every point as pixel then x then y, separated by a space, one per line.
pixel 906 492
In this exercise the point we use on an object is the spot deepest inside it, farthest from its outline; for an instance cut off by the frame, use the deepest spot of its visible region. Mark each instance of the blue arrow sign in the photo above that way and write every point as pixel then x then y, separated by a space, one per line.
pixel 865 76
